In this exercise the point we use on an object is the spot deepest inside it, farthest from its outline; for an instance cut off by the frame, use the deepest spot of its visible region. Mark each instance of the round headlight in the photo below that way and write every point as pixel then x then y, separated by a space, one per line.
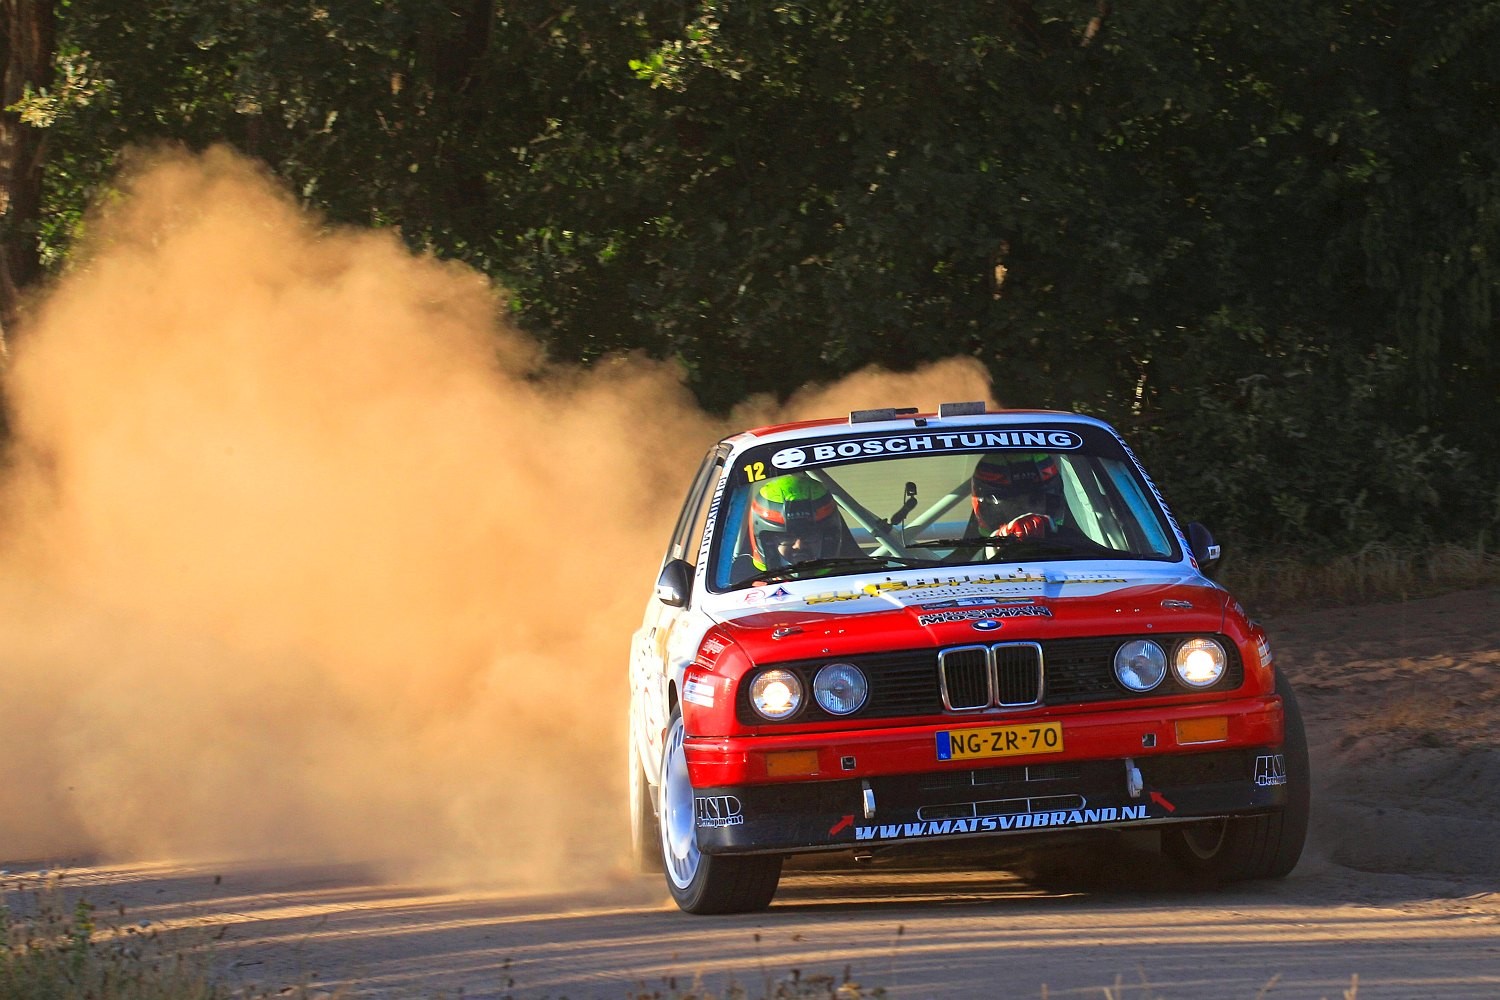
pixel 776 694
pixel 840 688
pixel 1199 663
pixel 1140 664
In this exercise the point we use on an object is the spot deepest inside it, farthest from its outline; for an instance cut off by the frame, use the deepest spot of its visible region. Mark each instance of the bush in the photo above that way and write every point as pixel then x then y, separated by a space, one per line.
pixel 55 952
pixel 1318 456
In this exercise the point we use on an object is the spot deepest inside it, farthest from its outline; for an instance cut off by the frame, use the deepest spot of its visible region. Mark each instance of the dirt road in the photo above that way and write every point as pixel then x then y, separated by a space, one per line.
pixel 1398 895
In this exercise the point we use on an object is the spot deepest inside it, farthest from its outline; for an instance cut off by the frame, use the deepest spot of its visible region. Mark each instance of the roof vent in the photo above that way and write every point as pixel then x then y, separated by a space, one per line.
pixel 887 413
pixel 960 410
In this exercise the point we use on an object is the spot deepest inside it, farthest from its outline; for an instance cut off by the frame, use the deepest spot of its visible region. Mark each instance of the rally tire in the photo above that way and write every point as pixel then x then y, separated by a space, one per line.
pixel 698 882
pixel 1265 846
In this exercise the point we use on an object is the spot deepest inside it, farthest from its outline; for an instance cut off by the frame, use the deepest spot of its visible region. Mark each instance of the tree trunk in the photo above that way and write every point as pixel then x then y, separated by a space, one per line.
pixel 27 41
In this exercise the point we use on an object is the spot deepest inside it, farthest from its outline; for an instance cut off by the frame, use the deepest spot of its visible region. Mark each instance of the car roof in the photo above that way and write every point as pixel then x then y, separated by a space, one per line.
pixel 896 420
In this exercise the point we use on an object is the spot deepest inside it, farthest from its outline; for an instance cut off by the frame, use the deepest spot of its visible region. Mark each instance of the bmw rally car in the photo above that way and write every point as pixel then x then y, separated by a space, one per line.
pixel 901 630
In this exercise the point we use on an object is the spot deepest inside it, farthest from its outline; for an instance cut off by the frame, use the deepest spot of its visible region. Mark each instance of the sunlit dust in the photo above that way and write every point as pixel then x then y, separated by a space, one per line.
pixel 307 553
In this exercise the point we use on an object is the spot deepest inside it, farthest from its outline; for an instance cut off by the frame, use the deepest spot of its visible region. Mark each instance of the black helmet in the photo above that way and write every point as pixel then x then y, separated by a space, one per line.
pixel 1009 484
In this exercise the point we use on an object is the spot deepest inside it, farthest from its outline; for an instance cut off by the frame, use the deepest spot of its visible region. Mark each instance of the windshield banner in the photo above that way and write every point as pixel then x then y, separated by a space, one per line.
pixel 830 452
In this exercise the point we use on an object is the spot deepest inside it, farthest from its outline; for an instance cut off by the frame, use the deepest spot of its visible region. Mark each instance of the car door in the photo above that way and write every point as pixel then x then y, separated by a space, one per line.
pixel 650 667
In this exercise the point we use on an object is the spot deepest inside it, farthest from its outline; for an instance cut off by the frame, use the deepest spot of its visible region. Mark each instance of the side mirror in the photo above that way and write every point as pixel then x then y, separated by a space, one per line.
pixel 1205 549
pixel 675 583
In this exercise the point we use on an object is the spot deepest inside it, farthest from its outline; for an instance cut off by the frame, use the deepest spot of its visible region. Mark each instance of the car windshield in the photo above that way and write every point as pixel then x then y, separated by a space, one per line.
pixel 865 503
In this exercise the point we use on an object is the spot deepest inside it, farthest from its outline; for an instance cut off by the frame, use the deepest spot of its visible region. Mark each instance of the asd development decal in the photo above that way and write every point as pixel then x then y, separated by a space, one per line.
pixel 1270 770
pixel 718 810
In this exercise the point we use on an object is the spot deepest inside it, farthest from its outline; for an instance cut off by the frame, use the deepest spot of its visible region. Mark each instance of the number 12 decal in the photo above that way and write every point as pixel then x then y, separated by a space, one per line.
pixel 755 472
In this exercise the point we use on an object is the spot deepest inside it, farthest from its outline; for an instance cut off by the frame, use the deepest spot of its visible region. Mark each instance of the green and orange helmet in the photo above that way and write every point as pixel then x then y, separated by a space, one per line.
pixel 1008 484
pixel 792 519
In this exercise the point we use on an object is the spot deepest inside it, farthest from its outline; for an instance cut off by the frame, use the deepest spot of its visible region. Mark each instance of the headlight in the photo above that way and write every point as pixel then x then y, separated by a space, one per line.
pixel 1199 663
pixel 1140 664
pixel 776 694
pixel 840 688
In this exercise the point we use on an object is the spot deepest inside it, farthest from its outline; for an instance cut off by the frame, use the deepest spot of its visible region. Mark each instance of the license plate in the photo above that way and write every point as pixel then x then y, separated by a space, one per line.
pixel 1000 741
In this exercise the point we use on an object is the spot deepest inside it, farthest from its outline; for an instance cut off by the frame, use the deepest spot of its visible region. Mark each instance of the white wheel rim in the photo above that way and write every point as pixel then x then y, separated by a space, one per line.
pixel 679 838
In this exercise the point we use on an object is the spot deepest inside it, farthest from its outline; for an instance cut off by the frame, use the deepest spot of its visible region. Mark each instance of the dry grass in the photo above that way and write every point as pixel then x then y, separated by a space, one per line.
pixel 1375 573
pixel 56 950
pixel 794 986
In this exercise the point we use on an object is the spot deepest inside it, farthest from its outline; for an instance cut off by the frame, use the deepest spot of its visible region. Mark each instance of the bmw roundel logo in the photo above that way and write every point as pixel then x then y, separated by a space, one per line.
pixel 789 458
pixel 986 625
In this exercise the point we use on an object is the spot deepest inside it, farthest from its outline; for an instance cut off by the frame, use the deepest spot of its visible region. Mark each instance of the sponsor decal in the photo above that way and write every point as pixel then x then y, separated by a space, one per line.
pixel 971 602
pixel 696 692
pixel 884 587
pixel 997 824
pixel 888 588
pixel 789 458
pixel 709 523
pixel 718 810
pixel 1264 649
pixel 1270 770
pixel 833 597
pixel 712 646
pixel 909 444
pixel 1004 611
pixel 1151 485
pixel 756 595
pixel 1176 605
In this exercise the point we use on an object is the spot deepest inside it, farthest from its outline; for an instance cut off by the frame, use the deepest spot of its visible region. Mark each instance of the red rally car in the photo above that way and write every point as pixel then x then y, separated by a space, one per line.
pixel 903 629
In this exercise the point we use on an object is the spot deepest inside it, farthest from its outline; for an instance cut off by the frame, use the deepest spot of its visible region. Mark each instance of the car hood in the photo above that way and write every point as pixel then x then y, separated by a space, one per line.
pixel 852 615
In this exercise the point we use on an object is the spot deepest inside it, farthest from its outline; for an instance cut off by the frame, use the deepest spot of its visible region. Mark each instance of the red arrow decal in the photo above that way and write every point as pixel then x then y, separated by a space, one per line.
pixel 1161 801
pixel 842 824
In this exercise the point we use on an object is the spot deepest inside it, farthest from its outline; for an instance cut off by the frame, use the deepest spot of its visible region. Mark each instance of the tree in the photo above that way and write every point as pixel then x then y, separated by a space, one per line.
pixel 1212 220
pixel 27 40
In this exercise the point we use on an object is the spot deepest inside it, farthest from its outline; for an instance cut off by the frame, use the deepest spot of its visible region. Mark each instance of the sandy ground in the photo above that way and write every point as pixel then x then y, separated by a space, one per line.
pixel 1402 703
pixel 1397 896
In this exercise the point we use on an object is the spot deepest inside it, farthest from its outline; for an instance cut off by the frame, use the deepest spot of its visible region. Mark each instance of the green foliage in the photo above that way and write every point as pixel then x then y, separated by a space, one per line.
pixel 53 952
pixel 1267 231
pixel 1302 454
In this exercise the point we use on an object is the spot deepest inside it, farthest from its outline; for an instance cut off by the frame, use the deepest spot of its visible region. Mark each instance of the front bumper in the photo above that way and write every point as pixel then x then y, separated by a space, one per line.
pixel 1120 769
pixel 828 815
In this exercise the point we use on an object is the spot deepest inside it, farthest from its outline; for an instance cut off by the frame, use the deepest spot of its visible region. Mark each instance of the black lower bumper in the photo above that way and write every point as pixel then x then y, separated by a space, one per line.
pixel 879 811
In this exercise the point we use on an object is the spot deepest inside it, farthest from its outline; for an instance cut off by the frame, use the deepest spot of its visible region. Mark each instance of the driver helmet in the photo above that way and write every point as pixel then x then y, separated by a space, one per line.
pixel 1008 484
pixel 792 519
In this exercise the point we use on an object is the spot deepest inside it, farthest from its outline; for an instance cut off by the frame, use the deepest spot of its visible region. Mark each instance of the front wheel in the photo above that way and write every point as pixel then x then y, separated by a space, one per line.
pixel 704 883
pixel 1239 848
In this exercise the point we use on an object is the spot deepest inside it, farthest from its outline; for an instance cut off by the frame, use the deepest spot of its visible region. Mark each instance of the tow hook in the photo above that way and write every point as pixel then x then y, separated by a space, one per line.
pixel 1134 783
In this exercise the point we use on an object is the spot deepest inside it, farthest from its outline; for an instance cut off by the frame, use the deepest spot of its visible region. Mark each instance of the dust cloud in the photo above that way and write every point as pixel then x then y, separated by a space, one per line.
pixel 305 553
